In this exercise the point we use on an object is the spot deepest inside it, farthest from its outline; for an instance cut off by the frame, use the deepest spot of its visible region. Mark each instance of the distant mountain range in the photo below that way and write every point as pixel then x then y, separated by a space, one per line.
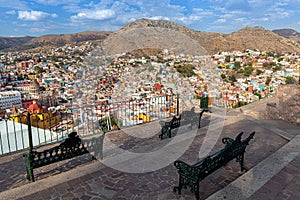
pixel 288 33
pixel 24 43
pixel 145 33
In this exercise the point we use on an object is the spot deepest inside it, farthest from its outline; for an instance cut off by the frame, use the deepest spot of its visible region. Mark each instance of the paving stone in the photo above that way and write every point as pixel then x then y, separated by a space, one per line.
pixel 68 196
pixel 85 197
pixel 107 183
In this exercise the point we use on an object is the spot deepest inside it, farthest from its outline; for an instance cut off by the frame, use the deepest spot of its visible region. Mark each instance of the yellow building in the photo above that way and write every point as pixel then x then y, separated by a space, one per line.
pixel 40 118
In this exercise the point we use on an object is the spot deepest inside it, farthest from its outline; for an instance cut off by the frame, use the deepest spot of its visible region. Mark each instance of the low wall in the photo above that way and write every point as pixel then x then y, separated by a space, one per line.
pixel 286 106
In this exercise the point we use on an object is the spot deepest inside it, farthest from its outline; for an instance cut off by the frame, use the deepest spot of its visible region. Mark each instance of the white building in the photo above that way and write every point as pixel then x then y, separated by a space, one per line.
pixel 10 99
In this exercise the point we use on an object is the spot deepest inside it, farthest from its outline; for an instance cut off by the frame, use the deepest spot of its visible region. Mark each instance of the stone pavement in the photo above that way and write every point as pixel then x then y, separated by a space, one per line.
pixel 272 158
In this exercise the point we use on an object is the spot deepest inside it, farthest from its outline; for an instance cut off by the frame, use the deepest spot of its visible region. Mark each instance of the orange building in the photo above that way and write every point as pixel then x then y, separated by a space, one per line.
pixel 40 117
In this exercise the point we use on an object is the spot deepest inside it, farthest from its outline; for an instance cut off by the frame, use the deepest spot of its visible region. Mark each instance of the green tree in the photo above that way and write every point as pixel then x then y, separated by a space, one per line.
pixel 268 80
pixel 266 65
pixel 227 59
pixel 42 88
pixel 38 69
pixel 186 70
pixel 280 59
pixel 270 54
pixel 237 64
pixel 232 78
pixel 277 67
pixel 289 80
pixel 54 58
pixel 248 71
pixel 257 94
pixel 258 72
pixel 240 71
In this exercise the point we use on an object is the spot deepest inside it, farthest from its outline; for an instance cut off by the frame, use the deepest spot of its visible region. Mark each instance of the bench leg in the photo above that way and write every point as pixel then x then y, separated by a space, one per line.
pixel 179 187
pixel 197 191
pixel 161 135
pixel 240 159
pixel 29 168
pixel 30 175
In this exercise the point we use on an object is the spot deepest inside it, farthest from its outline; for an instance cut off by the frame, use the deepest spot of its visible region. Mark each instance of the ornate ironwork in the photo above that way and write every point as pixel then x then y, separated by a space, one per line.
pixel 187 117
pixel 191 175
pixel 166 127
pixel 71 147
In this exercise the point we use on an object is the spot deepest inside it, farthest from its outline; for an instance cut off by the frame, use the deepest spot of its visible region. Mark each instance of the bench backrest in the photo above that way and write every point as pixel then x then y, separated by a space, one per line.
pixel 175 122
pixel 55 154
pixel 209 164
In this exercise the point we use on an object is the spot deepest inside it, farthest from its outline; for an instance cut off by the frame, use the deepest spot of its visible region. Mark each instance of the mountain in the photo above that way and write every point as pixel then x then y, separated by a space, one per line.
pixel 163 34
pixel 7 42
pixel 63 39
pixel 252 38
pixel 157 33
pixel 288 33
pixel 22 43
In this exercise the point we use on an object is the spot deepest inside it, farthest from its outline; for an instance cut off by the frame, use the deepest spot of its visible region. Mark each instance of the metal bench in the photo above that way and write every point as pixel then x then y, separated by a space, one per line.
pixel 187 117
pixel 166 127
pixel 71 147
pixel 191 175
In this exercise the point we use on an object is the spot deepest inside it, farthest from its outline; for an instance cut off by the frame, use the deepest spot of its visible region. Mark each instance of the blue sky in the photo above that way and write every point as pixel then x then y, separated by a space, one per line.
pixel 41 17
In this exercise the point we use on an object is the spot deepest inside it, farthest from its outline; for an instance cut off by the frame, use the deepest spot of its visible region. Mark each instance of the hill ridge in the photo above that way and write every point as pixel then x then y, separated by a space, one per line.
pixel 249 37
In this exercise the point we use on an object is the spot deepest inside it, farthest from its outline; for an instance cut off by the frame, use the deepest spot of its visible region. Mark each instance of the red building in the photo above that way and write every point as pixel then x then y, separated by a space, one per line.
pixel 27 103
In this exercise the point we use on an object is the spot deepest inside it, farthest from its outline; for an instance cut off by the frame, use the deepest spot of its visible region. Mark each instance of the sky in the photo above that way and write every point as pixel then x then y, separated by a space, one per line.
pixel 42 17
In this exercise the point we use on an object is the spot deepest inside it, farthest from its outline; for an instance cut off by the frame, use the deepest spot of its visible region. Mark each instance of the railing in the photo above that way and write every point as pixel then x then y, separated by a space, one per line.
pixel 125 113
pixel 46 128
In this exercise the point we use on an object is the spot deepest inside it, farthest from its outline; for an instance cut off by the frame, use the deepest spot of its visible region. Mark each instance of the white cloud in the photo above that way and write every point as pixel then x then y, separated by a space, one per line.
pixel 12 12
pixel 94 15
pixel 222 20
pixel 37 30
pixel 265 19
pixel 58 2
pixel 278 14
pixel 188 19
pixel 159 18
pixel 240 20
pixel 34 15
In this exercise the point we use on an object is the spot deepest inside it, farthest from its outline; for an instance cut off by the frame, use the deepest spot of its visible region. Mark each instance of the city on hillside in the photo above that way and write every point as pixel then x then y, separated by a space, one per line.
pixel 51 81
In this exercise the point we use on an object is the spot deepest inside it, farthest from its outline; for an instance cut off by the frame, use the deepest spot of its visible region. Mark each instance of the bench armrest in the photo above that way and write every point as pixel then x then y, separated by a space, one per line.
pixel 162 123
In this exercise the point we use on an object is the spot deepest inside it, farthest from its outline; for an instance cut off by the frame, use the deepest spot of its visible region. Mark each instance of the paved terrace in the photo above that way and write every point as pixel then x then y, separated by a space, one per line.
pixel 273 159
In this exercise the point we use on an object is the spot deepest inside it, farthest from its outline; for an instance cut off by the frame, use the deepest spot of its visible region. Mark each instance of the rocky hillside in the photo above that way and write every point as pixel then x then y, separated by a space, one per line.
pixel 286 105
pixel 161 34
pixel 252 38
pixel 63 39
pixel 288 33
pixel 246 38
pixel 23 43
pixel 157 34
pixel 7 42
